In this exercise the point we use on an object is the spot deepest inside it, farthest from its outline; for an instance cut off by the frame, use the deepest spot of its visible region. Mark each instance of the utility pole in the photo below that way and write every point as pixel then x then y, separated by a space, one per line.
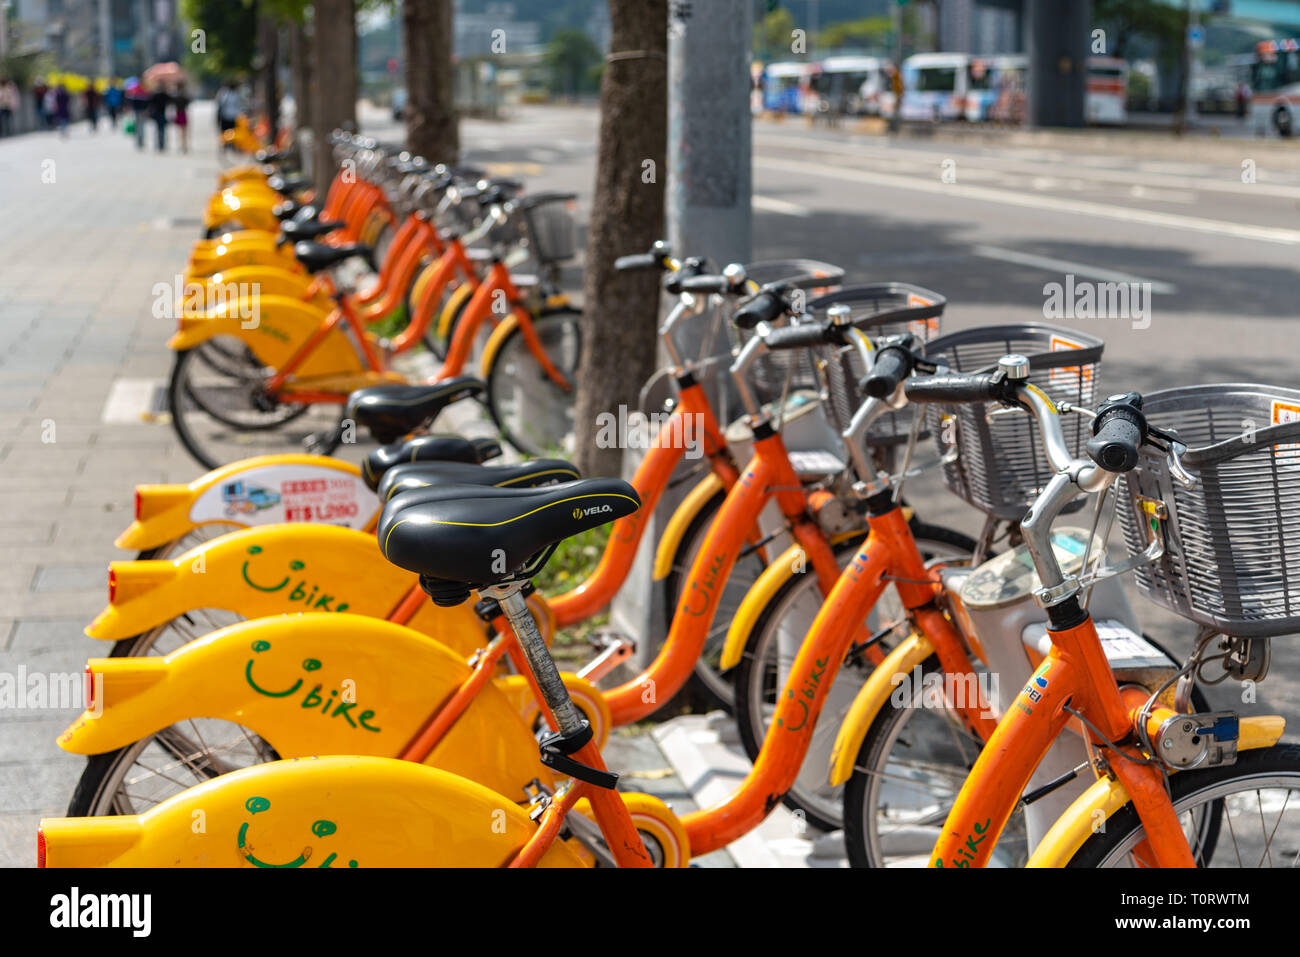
pixel 105 39
pixel 1191 42
pixel 896 81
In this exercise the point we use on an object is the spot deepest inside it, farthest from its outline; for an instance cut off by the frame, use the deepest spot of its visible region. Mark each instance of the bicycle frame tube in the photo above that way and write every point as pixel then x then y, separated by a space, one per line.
pixel 856 591
pixel 650 480
pixel 452 260
pixel 1075 673
pixel 768 475
pixel 477 309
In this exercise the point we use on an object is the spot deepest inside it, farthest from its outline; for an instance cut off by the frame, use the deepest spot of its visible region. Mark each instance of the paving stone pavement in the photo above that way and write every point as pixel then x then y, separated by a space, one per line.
pixel 91 226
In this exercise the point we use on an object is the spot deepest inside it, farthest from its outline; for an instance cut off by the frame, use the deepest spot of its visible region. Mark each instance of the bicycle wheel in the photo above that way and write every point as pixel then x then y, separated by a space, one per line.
pixel 912 764
pixel 909 770
pixel 770 652
pixel 142 775
pixel 1260 827
pixel 531 412
pixel 167 637
pixel 708 680
pixel 220 419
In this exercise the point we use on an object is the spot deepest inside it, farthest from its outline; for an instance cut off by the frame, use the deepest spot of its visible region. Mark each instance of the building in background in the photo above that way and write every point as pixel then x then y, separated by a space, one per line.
pixel 98 37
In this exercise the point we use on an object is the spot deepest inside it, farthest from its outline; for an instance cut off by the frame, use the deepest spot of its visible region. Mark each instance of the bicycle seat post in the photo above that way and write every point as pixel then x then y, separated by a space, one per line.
pixel 509 596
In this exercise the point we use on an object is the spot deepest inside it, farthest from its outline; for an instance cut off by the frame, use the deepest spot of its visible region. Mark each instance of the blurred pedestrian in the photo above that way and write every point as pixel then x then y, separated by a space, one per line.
pixel 39 89
pixel 1243 97
pixel 181 116
pixel 8 106
pixel 138 100
pixel 113 100
pixel 92 108
pixel 229 105
pixel 62 109
pixel 158 103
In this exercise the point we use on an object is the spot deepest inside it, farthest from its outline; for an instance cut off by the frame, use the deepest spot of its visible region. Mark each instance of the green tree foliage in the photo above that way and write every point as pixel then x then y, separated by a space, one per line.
pixel 229 36
pixel 872 33
pixel 773 35
pixel 572 57
pixel 1125 20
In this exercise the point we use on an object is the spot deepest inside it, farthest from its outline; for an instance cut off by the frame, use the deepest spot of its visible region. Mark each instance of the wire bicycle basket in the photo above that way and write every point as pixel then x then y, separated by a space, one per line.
pixel 878 309
pixel 1231 558
pixel 992 458
pixel 549 227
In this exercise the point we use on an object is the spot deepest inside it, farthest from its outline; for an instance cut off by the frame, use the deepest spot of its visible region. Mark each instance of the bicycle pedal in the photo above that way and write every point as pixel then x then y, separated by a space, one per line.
pixel 613 648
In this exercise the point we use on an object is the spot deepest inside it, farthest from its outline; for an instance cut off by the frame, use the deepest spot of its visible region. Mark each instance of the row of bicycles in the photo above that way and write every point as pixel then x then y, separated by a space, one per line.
pixel 316 663
pixel 274 329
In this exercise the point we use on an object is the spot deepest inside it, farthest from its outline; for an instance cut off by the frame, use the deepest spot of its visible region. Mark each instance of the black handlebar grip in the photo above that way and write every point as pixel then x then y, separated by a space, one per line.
pixel 637 261
pixel 953 387
pixel 707 284
pixel 1118 432
pixel 801 337
pixel 892 365
pixel 765 307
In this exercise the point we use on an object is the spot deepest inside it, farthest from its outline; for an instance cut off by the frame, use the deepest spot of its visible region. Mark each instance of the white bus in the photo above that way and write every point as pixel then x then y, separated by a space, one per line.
pixel 1106 102
pixel 1275 87
pixel 935 86
pixel 852 84
pixel 994 84
pixel 787 87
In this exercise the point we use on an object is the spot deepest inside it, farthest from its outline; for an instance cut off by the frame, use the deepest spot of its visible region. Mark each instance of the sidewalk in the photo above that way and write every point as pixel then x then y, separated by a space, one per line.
pixel 91 226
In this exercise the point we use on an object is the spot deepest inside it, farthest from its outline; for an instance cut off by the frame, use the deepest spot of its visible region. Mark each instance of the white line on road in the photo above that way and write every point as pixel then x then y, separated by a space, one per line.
pixel 770 205
pixel 1065 266
pixel 1003 197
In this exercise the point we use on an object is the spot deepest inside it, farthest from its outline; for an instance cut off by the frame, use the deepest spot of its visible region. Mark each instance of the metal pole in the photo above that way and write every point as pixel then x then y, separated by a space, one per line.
pixel 105 39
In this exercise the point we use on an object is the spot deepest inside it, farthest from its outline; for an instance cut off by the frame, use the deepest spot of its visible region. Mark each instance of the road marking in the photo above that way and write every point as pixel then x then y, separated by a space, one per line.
pixel 1267 234
pixel 1162 195
pixel 132 401
pixel 1029 163
pixel 1065 266
pixel 770 205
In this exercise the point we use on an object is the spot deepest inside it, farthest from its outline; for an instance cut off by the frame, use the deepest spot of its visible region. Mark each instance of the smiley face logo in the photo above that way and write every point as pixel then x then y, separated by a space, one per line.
pixel 321 828
pixel 254 550
pixel 308 664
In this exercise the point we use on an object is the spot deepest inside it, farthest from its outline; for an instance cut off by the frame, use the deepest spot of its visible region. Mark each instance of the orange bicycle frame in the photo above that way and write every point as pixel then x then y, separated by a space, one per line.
pixel 1075 674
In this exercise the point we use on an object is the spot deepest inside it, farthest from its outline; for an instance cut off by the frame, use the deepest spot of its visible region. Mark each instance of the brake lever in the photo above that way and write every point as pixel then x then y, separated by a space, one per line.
pixel 1169 443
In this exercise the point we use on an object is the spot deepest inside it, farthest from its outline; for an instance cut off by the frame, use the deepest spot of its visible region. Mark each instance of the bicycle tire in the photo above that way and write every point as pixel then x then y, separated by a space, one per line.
pixel 752 674
pixel 325 440
pixel 1279 762
pixel 509 372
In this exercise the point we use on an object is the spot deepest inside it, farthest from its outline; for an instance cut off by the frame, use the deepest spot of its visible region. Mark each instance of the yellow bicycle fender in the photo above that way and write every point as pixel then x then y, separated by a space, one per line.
pixel 277 570
pixel 233 239
pixel 246 203
pixel 228 257
pixel 495 341
pixel 252 491
pixel 314 684
pixel 585 695
pixel 871 697
pixel 244 171
pixel 675 530
pixel 776 574
pixel 458 296
pixel 654 819
pixel 311 813
pixel 276 329
pixel 767 584
pixel 199 294
pixel 1105 796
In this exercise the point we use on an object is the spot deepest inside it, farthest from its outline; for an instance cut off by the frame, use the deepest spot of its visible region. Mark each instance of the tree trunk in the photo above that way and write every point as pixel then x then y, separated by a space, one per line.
pixel 621 310
pixel 335 47
pixel 431 122
pixel 301 54
pixel 269 45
